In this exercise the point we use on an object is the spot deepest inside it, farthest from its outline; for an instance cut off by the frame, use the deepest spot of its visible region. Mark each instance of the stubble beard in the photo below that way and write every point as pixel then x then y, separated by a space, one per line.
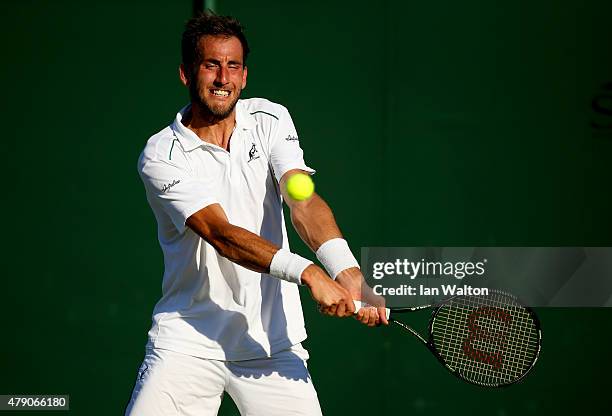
pixel 214 112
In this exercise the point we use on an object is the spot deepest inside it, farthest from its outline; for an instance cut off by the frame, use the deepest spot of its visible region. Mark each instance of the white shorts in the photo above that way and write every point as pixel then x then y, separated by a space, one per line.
pixel 172 384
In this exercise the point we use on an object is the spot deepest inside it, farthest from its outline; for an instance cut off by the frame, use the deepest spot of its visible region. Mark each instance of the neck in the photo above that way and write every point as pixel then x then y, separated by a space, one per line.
pixel 210 128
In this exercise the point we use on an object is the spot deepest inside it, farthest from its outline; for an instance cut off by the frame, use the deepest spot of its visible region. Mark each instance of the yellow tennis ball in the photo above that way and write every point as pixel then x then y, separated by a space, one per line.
pixel 300 186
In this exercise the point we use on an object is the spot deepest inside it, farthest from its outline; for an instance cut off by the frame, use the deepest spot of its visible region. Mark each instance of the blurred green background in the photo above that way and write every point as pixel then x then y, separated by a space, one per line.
pixel 439 123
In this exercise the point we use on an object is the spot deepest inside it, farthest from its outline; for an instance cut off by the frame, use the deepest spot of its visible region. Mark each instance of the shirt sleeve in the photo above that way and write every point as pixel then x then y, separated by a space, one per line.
pixel 286 153
pixel 178 193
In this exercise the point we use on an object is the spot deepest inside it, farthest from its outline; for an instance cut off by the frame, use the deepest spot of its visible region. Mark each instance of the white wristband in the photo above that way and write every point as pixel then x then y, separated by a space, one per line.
pixel 336 256
pixel 288 266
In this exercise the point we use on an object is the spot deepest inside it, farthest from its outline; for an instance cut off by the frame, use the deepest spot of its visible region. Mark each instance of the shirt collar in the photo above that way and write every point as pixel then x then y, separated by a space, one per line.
pixel 190 141
pixel 244 119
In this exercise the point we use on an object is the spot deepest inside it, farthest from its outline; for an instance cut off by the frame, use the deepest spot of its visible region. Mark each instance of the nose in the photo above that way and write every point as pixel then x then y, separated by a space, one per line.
pixel 222 76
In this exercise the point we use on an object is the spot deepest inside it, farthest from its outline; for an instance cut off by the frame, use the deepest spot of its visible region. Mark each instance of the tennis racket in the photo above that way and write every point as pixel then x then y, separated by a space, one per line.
pixel 490 340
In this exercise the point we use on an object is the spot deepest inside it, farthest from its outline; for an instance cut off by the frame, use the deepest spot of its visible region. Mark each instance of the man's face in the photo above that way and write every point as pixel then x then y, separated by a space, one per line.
pixel 217 82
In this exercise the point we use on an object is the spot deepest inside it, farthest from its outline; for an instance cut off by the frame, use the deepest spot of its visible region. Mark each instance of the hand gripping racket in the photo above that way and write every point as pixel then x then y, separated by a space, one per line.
pixel 489 340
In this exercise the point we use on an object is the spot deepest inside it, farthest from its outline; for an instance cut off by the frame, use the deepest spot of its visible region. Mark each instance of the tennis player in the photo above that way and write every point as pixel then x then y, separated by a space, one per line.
pixel 230 317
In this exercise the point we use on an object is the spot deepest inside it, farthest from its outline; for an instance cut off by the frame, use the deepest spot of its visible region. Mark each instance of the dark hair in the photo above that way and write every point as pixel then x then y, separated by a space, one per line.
pixel 209 23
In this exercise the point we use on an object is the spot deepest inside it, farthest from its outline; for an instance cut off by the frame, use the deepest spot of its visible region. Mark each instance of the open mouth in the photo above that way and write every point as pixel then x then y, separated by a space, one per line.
pixel 220 93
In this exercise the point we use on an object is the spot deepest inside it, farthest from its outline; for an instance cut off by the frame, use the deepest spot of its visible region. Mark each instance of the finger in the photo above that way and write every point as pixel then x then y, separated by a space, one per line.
pixel 359 315
pixel 366 316
pixel 373 317
pixel 341 310
pixel 382 312
pixel 331 310
pixel 350 307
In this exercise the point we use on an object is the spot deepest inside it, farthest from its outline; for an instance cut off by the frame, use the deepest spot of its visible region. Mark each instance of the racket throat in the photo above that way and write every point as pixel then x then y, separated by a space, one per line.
pixel 409 329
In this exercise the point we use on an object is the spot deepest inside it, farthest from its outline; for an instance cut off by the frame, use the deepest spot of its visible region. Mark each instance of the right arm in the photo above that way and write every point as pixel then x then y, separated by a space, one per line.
pixel 255 253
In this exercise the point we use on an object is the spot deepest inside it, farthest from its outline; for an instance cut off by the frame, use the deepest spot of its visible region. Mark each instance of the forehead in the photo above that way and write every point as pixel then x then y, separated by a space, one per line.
pixel 220 47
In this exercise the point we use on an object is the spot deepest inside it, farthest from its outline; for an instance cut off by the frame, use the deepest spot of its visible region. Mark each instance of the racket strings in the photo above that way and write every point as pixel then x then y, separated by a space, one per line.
pixel 489 340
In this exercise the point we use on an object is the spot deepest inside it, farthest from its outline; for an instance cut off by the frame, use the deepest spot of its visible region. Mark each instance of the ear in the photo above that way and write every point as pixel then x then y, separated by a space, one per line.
pixel 244 77
pixel 183 75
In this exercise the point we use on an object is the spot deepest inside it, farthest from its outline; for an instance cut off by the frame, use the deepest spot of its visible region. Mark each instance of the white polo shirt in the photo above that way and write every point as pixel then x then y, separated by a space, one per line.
pixel 210 307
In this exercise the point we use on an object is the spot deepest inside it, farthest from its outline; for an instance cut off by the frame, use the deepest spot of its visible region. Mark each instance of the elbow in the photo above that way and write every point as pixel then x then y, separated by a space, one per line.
pixel 212 225
pixel 224 242
pixel 217 235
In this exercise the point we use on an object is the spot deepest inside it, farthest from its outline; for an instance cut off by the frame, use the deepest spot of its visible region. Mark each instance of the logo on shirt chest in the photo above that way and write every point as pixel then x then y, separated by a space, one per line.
pixel 253 153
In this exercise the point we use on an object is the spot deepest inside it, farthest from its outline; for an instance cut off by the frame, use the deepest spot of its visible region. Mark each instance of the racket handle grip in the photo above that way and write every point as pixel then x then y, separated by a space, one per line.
pixel 359 304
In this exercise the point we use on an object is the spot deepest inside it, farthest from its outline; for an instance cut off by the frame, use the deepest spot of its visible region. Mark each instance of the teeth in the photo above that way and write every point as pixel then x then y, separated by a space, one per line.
pixel 221 93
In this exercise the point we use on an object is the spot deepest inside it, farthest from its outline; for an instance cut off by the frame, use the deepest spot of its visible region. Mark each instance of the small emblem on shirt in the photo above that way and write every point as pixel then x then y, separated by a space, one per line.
pixel 253 153
pixel 291 138
pixel 167 186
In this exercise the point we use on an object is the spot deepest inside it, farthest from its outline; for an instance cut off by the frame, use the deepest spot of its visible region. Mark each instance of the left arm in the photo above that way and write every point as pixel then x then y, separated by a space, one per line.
pixel 315 224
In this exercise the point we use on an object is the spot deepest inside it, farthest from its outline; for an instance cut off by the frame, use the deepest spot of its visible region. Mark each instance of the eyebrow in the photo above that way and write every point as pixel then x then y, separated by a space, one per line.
pixel 216 61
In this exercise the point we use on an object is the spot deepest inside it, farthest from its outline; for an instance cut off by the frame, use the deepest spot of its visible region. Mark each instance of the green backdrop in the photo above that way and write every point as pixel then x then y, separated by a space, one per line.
pixel 437 123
